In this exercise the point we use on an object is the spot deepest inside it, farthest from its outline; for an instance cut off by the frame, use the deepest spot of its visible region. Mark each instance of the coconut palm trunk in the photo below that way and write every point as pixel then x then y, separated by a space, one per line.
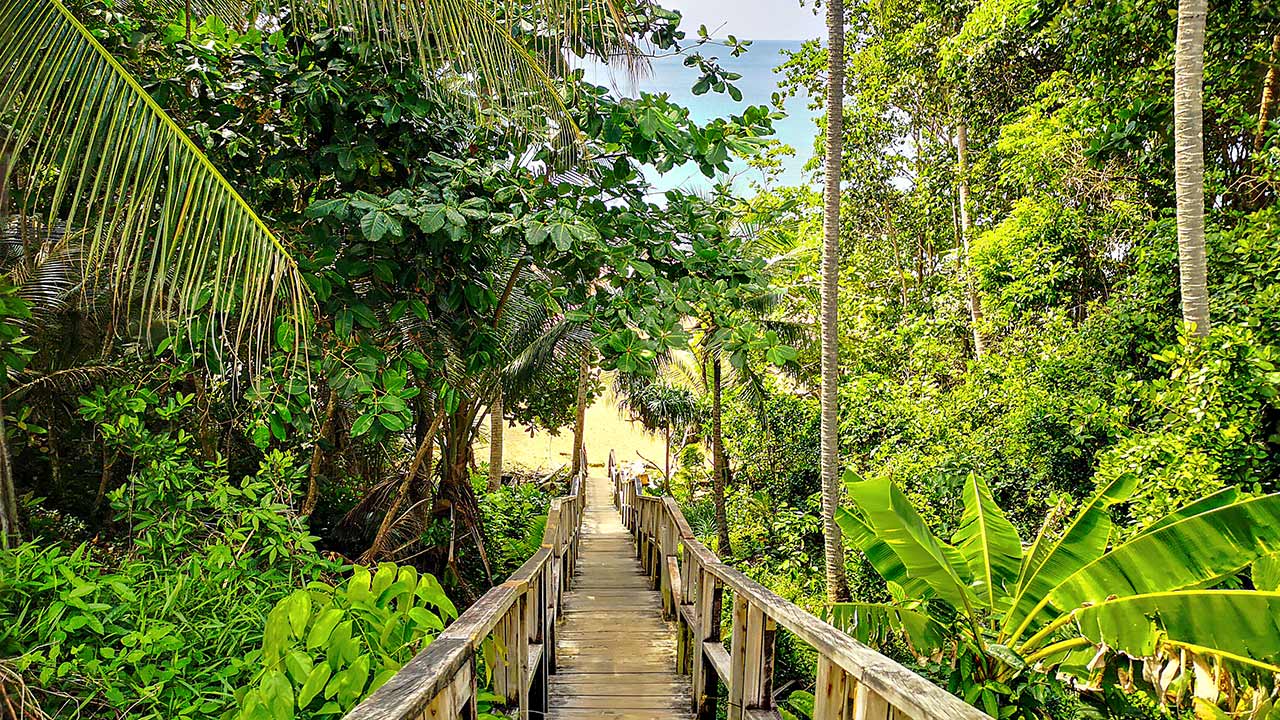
pixel 966 230
pixel 837 583
pixel 8 493
pixel 580 415
pixel 1270 90
pixel 496 425
pixel 1188 162
pixel 719 473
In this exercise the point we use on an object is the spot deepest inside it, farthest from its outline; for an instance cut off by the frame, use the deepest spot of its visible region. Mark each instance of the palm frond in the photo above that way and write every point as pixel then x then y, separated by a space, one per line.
pixel 63 382
pixel 472 48
pixel 160 223
pixel 44 264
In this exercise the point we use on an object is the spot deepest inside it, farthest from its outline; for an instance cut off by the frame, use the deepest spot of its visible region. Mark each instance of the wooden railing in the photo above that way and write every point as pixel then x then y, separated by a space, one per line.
pixel 519 615
pixel 854 682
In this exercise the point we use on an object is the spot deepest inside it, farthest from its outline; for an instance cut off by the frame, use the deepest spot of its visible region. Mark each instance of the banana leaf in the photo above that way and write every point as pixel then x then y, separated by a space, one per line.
pixel 889 514
pixel 1266 573
pixel 875 623
pixel 988 542
pixel 1225 496
pixel 1239 626
pixel 880 555
pixel 1178 556
pixel 1052 561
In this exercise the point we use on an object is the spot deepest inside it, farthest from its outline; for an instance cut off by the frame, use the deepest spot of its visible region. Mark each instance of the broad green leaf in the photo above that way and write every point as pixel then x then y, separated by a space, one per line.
pixel 314 684
pixel 1225 496
pixel 1052 561
pixel 1240 626
pixel 320 631
pixel 298 665
pixel 1266 573
pixel 988 542
pixel 879 554
pixel 875 623
pixel 890 515
pixel 1178 556
pixel 298 608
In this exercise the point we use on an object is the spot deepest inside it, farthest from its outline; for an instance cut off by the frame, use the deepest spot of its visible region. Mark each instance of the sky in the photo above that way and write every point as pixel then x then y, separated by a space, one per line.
pixel 750 19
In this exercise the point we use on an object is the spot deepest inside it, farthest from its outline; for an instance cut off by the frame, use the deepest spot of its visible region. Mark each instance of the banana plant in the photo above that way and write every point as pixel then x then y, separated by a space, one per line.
pixel 1069 600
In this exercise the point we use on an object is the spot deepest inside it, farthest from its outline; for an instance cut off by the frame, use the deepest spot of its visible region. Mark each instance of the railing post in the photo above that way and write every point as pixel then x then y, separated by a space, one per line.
pixel 831 693
pixel 705 680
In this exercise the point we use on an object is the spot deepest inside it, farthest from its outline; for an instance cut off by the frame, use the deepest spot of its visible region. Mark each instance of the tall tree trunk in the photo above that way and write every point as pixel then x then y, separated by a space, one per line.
pixel 1188 132
pixel 421 460
pixel 837 583
pixel 1270 89
pixel 667 470
pixel 9 530
pixel 966 229
pixel 718 470
pixel 496 425
pixel 580 414
pixel 317 456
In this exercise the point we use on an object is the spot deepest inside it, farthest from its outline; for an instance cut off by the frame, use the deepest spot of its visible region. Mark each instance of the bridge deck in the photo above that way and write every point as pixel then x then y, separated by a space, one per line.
pixel 616 656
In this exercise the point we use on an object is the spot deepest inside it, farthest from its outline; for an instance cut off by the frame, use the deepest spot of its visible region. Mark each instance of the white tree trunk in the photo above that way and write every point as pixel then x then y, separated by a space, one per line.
pixel 833 551
pixel 1188 132
pixel 496 425
pixel 966 231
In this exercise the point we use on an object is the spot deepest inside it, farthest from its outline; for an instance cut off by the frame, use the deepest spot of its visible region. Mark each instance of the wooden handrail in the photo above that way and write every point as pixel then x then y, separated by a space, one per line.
pixel 520 615
pixel 854 681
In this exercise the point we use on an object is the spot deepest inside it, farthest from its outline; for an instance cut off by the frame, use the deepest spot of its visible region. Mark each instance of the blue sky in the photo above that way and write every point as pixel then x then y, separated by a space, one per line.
pixel 751 19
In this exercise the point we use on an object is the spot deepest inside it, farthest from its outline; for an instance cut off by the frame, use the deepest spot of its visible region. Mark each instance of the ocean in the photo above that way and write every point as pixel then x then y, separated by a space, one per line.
pixel 758 84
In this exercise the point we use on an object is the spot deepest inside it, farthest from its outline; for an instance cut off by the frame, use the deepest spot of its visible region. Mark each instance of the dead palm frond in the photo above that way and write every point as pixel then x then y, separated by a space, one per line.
pixel 159 222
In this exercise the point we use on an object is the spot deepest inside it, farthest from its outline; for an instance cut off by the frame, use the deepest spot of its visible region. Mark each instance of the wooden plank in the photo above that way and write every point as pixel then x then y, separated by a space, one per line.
pixel 409 692
pixel 615 655
pixel 831 692
pixel 867 705
pixel 719 658
pixel 739 664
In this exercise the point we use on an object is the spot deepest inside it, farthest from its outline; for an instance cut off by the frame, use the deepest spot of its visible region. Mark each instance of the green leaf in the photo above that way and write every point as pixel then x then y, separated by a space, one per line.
pixel 1240 626
pixel 298 607
pixel 1223 497
pixel 895 522
pixel 879 554
pixel 1266 573
pixel 362 424
pixel 322 628
pixel 378 224
pixel 988 542
pixel 426 618
pixel 1049 561
pixel 1182 555
pixel 298 665
pixel 314 684
pixel 875 623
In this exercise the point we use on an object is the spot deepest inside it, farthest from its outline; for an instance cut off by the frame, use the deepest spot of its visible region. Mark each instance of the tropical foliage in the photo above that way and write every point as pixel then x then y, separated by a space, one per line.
pixel 1075 599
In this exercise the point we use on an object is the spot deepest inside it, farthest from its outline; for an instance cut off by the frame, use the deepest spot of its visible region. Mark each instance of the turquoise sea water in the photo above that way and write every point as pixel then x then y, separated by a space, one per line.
pixel 758 83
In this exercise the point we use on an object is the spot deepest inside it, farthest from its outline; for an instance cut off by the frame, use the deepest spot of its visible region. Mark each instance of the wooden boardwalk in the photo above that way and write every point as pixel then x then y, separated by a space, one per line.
pixel 579 632
pixel 615 655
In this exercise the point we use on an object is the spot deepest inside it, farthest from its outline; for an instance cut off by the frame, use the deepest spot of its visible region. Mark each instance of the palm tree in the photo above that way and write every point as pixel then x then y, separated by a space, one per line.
pixel 966 231
pixel 85 147
pixel 660 406
pixel 1188 133
pixel 496 425
pixel 837 583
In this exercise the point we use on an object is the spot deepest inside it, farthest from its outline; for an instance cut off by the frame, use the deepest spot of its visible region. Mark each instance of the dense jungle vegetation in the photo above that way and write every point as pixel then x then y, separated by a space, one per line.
pixel 269 272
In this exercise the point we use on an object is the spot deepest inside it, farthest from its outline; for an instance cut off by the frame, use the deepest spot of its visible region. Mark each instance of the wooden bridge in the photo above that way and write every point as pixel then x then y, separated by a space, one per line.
pixel 623 615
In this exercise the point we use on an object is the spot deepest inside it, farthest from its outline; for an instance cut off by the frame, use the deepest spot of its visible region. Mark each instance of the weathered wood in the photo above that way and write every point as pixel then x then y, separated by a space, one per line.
pixel 830 692
pixel 867 705
pixel 520 615
pixel 615 656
